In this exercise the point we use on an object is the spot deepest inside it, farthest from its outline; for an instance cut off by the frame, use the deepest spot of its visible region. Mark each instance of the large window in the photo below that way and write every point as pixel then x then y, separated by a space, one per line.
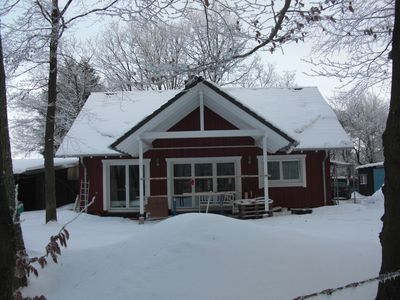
pixel 283 170
pixel 196 176
pixel 121 177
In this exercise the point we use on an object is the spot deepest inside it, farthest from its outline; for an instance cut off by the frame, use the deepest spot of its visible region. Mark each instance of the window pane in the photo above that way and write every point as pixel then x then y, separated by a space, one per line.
pixel 182 186
pixel 203 170
pixel 363 179
pixel 225 169
pixel 117 187
pixel 204 185
pixel 273 170
pixel 183 202
pixel 226 184
pixel 134 196
pixel 291 169
pixel 182 170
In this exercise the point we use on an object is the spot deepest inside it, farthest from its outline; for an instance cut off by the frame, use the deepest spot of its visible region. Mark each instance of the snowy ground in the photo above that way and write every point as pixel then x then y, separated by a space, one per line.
pixel 199 256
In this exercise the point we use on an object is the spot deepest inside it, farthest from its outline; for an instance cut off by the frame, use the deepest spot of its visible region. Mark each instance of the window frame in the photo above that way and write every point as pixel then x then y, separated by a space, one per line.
pixel 107 163
pixel 299 182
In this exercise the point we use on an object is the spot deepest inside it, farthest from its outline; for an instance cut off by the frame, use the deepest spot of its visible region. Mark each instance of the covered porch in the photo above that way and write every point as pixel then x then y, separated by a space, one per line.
pixel 187 131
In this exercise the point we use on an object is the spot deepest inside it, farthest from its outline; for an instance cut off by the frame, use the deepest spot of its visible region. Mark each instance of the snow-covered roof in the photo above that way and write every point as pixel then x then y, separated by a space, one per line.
pixel 21 166
pixel 300 112
pixel 377 164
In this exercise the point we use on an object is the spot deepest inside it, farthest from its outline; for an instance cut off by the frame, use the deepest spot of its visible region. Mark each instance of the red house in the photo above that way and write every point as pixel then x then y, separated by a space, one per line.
pixel 147 150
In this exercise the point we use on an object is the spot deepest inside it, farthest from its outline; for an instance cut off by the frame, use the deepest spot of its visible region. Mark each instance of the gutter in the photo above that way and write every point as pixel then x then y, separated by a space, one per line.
pixel 84 169
pixel 324 175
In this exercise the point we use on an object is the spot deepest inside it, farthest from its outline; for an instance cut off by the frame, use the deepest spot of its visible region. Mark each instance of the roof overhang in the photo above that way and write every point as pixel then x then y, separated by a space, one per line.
pixel 202 93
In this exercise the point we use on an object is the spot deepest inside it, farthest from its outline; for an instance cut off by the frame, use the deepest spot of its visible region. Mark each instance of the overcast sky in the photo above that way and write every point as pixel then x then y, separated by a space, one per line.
pixel 290 59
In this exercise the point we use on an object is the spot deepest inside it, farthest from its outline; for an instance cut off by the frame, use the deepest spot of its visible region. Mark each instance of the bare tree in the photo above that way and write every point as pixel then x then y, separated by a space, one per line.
pixel 40 26
pixel 265 76
pixel 355 47
pixel 132 56
pixel 364 119
pixel 163 55
pixel 7 231
pixel 210 40
pixel 77 79
pixel 389 236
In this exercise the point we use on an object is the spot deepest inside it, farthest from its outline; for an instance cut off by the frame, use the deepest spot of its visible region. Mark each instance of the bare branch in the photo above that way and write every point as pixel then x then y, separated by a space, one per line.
pixel 91 12
pixel 45 13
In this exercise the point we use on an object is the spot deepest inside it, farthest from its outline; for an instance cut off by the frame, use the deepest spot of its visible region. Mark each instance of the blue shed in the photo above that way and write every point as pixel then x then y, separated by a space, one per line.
pixel 370 178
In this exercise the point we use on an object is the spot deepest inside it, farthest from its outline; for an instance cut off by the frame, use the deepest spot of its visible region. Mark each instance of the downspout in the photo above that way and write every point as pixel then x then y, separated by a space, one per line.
pixel 84 169
pixel 324 175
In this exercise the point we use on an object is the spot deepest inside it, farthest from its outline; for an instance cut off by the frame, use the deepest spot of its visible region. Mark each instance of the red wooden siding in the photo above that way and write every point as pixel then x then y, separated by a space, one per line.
pixel 310 196
pixel 291 197
pixel 94 169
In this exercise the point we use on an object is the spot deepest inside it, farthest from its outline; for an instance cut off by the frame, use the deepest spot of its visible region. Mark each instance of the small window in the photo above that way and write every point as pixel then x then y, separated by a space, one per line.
pixel 283 170
pixel 363 179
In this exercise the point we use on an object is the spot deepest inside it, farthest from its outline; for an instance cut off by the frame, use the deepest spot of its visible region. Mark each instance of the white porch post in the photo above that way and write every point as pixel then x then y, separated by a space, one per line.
pixel 266 194
pixel 141 180
pixel 201 104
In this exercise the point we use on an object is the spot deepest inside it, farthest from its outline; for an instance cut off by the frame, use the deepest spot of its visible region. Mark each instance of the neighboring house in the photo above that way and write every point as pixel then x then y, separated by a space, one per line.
pixel 205 140
pixel 29 176
pixel 370 178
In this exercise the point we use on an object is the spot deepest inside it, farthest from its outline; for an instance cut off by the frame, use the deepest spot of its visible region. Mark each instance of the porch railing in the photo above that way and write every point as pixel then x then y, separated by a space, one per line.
pixel 205 201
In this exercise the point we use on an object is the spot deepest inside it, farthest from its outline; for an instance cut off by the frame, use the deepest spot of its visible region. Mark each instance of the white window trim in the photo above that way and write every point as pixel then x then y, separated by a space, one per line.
pixel 193 160
pixel 284 182
pixel 106 181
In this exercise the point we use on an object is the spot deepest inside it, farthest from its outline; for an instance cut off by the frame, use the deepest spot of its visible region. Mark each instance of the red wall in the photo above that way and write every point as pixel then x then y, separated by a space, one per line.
pixel 310 196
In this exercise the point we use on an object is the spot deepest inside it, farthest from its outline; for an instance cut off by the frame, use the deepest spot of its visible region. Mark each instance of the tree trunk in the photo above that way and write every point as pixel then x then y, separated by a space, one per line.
pixel 7 233
pixel 390 235
pixel 49 175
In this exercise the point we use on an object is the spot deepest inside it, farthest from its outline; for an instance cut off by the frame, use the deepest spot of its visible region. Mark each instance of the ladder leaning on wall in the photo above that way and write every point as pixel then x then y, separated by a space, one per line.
pixel 82 199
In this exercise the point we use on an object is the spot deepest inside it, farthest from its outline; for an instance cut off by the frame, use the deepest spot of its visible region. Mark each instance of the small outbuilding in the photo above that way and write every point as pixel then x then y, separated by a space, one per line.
pixel 370 177
pixel 29 176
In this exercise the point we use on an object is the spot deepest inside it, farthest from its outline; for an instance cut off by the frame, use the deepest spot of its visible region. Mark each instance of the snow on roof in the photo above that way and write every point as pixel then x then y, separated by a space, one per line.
pixel 301 112
pixel 377 164
pixel 105 117
pixel 21 166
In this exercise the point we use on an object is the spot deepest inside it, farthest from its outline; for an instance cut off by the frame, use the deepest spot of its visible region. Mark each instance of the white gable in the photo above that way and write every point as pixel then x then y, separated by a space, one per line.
pixel 231 110
pixel 302 114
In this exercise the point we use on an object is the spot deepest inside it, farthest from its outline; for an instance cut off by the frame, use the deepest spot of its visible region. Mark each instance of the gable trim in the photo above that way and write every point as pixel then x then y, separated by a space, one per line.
pixel 250 112
pixel 291 142
pixel 147 119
